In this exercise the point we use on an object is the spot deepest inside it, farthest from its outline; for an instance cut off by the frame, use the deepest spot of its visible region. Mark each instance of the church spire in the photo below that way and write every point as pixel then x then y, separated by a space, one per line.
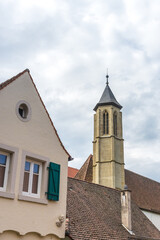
pixel 107 97
pixel 108 157
pixel 107 76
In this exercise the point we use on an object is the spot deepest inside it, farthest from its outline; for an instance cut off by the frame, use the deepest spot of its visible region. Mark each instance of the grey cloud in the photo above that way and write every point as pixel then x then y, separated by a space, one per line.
pixel 68 49
pixel 148 169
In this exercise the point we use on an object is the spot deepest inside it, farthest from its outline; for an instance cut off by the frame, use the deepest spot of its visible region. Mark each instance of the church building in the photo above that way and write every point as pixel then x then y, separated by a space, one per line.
pixel 113 203
pixel 108 157
pixel 35 201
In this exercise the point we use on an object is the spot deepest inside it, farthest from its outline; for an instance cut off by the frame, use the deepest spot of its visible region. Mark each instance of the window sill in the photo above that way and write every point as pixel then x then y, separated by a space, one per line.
pixel 7 195
pixel 32 199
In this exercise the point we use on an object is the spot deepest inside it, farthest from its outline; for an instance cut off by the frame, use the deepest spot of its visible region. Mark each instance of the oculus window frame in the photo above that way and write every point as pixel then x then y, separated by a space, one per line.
pixel 23 111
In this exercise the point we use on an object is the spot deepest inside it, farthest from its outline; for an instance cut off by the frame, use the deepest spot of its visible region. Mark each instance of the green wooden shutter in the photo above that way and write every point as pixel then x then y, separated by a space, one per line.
pixel 53 181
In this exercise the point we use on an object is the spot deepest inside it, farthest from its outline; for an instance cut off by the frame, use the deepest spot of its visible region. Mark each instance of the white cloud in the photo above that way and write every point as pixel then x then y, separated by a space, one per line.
pixel 67 45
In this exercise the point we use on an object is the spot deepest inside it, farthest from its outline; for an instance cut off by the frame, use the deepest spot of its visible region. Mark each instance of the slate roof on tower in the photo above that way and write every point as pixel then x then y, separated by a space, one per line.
pixel 107 98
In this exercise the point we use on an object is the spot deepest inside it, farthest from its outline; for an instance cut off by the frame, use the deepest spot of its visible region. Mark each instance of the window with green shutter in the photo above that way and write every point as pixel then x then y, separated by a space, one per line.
pixel 53 181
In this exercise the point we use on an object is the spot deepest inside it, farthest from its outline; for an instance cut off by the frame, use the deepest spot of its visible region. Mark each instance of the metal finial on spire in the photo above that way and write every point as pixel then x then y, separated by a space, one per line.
pixel 107 76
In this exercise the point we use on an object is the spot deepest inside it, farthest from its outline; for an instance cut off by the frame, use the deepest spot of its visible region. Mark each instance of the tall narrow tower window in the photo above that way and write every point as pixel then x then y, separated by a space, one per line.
pixel 105 123
pixel 104 120
pixel 115 124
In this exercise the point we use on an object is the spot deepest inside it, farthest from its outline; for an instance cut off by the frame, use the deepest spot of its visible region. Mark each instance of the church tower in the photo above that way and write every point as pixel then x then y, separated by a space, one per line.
pixel 108 157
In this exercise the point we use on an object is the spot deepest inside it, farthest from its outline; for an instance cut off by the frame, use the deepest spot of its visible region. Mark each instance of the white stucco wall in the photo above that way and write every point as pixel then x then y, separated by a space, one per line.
pixel 153 217
pixel 38 137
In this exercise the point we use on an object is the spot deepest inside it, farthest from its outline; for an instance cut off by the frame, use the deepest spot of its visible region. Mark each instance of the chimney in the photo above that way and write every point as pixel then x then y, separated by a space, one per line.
pixel 126 209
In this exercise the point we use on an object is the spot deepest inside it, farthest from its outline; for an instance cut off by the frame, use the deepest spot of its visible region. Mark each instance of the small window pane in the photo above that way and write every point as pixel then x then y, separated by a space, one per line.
pixel 26 182
pixel 3 159
pixel 2 173
pixel 27 166
pixel 21 112
pixel 35 184
pixel 36 168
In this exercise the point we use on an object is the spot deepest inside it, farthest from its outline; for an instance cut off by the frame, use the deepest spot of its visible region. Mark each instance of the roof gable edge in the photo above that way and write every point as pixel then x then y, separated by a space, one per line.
pixel 69 156
pixel 9 81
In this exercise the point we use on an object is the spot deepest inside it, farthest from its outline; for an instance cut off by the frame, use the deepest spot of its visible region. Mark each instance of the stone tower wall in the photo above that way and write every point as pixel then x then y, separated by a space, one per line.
pixel 108 159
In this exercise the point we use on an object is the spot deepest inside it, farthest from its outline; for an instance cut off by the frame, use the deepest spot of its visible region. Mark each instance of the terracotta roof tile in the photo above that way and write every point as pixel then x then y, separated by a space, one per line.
pixel 145 192
pixel 72 172
pixel 143 189
pixel 94 212
pixel 85 172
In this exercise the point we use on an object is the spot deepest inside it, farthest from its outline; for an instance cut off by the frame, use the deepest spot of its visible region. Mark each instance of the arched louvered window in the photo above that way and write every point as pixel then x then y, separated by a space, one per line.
pixel 104 120
pixel 115 123
pixel 105 123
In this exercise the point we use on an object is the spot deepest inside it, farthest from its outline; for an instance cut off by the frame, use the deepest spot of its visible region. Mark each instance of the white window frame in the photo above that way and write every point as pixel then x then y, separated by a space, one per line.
pixel 29 193
pixel 6 171
pixel 12 152
pixel 44 161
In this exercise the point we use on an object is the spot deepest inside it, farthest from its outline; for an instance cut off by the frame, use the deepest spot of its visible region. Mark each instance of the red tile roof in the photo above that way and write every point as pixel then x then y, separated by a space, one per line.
pixel 85 173
pixel 72 172
pixel 145 192
pixel 6 83
pixel 94 212
pixel 143 189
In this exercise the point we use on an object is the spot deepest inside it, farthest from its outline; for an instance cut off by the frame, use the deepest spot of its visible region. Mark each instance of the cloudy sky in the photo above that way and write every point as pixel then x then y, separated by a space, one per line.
pixel 68 45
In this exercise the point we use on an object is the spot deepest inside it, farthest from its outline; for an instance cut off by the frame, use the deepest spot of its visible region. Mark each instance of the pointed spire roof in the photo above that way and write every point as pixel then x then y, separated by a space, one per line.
pixel 107 98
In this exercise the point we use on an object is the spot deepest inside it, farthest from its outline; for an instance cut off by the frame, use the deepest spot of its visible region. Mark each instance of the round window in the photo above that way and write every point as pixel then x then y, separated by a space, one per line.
pixel 23 111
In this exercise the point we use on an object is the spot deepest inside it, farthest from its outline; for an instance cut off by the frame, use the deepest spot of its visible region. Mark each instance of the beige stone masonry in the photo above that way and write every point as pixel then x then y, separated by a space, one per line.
pixel 108 157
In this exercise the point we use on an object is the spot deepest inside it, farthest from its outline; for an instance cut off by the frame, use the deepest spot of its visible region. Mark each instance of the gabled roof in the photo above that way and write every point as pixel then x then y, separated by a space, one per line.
pixel 85 173
pixel 145 191
pixel 9 81
pixel 94 212
pixel 107 98
pixel 72 172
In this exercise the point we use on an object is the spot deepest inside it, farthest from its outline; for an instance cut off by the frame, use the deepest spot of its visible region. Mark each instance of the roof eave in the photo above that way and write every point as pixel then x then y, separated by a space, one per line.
pixel 104 104
pixel 9 81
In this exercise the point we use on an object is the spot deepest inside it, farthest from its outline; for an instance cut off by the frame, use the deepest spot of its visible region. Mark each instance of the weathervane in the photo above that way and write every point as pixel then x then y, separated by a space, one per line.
pixel 107 76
